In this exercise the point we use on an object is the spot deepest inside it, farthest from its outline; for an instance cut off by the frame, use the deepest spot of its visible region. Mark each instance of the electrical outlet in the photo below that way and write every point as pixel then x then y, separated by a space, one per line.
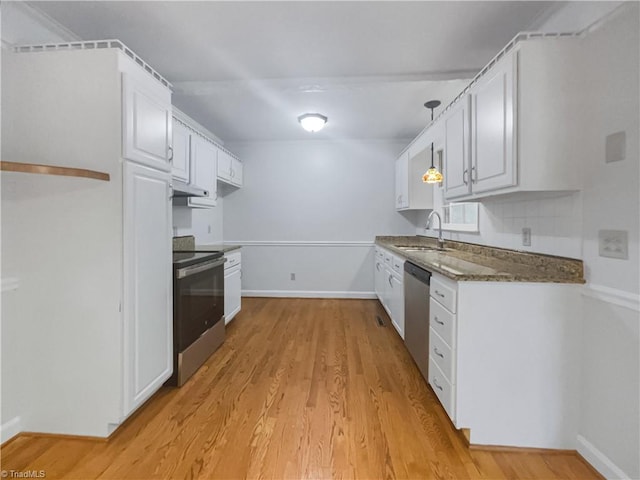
pixel 526 237
pixel 613 244
pixel 293 276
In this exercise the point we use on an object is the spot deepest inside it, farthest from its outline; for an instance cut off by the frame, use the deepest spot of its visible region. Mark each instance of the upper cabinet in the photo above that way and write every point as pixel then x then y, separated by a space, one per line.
pixel 229 168
pixel 147 122
pixel 492 113
pixel 456 150
pixel 502 135
pixel 204 157
pixel 181 151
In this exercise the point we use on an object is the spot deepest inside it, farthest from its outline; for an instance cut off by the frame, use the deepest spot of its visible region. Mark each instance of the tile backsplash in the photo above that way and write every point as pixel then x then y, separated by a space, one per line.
pixel 555 221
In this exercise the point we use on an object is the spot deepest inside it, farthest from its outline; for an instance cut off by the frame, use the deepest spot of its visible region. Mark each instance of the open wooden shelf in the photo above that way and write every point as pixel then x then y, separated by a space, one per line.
pixel 51 170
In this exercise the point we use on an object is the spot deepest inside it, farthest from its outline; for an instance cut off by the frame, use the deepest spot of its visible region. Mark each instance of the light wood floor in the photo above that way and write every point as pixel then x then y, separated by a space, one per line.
pixel 301 389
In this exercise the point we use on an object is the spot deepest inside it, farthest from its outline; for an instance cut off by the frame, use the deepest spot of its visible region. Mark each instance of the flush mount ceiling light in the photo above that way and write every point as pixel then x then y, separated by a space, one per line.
pixel 432 175
pixel 312 122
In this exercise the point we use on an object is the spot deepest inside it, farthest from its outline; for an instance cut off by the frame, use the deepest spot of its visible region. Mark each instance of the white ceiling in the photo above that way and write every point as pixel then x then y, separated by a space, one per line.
pixel 246 70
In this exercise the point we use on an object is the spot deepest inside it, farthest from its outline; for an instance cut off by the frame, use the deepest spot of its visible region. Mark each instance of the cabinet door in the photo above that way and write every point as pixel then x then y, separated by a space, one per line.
pixel 148 293
pixel 379 277
pixel 181 154
pixel 237 173
pixel 204 157
pixel 492 126
pixel 224 166
pixel 147 122
pixel 402 181
pixel 396 300
pixel 232 293
pixel 456 151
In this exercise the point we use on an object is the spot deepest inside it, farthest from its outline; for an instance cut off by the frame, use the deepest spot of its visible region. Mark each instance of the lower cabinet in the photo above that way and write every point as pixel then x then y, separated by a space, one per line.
pixel 232 285
pixel 388 281
pixel 501 360
pixel 148 291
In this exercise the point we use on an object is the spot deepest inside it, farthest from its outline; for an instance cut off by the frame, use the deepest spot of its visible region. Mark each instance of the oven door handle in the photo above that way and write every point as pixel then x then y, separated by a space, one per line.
pixel 187 271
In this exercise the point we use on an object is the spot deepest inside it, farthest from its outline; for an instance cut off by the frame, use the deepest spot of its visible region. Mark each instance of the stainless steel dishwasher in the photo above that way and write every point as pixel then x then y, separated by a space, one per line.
pixel 416 315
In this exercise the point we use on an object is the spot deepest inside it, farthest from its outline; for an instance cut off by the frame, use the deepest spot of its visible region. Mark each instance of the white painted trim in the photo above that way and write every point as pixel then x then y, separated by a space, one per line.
pixel 9 284
pixel 599 460
pixel 612 295
pixel 307 294
pixel 10 429
pixel 298 243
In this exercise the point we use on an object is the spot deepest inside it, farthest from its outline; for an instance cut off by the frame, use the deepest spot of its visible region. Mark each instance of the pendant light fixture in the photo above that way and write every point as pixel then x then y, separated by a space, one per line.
pixel 312 122
pixel 432 175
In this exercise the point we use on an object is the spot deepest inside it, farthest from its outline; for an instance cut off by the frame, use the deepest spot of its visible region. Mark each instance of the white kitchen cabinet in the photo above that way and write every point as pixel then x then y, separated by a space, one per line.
pixel 492 123
pixel 181 151
pixel 105 343
pixel 147 121
pixel 502 136
pixel 456 150
pixel 232 285
pixel 402 184
pixel 229 168
pixel 204 157
pixel 389 285
pixel 502 360
pixel 148 315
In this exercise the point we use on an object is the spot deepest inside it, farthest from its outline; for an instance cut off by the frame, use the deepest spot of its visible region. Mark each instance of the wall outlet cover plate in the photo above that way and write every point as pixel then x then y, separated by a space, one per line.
pixel 613 244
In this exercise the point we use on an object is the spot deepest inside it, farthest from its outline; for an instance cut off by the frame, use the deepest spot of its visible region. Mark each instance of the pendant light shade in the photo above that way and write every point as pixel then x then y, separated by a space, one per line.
pixel 312 122
pixel 432 175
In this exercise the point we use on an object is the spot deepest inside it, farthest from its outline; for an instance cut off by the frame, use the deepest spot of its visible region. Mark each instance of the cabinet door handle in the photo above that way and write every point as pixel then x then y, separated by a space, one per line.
pixel 464 177
pixel 438 321
pixel 436 384
pixel 474 175
pixel 439 294
pixel 378 266
pixel 170 148
pixel 390 282
pixel 435 350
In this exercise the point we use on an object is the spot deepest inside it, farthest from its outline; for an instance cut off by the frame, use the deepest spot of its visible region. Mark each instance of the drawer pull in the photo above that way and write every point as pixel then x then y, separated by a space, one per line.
pixel 439 322
pixel 439 294
pixel 435 350
pixel 390 282
pixel 436 384
pixel 378 266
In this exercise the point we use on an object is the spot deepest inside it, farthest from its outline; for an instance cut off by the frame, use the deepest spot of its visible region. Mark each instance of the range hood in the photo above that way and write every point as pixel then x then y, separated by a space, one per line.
pixel 181 189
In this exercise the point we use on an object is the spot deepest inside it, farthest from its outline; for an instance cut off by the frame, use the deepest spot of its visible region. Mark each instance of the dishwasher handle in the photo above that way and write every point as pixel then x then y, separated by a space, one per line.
pixel 420 274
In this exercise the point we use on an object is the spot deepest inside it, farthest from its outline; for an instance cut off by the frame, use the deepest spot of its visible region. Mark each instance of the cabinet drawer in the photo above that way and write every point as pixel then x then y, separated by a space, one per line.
pixel 397 264
pixel 233 259
pixel 442 321
pixel 443 293
pixel 442 354
pixel 380 254
pixel 443 389
pixel 387 258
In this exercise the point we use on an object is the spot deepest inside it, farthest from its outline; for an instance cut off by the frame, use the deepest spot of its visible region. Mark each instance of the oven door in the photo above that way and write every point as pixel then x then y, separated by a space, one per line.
pixel 198 300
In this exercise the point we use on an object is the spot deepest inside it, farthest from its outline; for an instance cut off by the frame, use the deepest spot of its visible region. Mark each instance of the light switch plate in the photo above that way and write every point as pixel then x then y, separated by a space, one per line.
pixel 526 237
pixel 613 244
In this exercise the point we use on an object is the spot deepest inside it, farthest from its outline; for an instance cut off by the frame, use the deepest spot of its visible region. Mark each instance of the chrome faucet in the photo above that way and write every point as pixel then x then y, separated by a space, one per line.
pixel 440 241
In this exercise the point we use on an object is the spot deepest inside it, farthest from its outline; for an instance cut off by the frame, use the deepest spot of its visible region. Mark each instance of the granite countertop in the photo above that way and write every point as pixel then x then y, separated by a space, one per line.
pixel 469 262
pixel 187 243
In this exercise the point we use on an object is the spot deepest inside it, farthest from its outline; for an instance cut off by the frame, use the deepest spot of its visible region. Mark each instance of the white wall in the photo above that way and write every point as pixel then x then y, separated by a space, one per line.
pixel 203 223
pixel 610 425
pixel 336 195
pixel 23 24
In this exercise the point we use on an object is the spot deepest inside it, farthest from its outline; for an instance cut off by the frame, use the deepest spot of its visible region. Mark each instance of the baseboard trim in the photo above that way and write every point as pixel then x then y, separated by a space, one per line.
pixel 598 460
pixel 308 294
pixel 9 430
pixel 612 295
pixel 500 448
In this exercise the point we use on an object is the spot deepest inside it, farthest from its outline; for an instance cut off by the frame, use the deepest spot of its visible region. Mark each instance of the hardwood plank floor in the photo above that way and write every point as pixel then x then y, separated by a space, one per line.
pixel 301 389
